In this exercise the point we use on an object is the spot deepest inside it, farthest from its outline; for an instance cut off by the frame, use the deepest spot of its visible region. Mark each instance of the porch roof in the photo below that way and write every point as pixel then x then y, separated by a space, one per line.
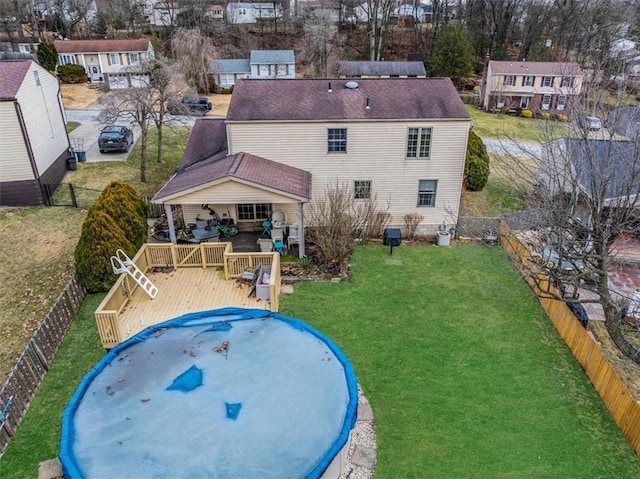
pixel 242 167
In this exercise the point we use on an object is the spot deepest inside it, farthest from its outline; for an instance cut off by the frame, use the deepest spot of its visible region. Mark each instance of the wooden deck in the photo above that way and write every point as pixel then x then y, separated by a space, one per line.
pixel 188 278
pixel 181 291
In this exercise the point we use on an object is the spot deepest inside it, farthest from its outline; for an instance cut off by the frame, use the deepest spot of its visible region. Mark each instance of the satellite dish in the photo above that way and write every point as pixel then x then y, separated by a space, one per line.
pixel 351 85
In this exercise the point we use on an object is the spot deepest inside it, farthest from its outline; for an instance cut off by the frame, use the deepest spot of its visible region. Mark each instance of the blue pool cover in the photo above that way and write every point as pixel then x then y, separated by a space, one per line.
pixel 229 393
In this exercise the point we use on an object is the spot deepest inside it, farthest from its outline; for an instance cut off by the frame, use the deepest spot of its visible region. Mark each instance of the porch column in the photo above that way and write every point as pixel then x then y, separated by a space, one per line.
pixel 172 228
pixel 300 218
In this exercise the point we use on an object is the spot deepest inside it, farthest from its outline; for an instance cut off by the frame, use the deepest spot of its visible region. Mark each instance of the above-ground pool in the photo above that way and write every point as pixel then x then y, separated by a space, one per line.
pixel 228 393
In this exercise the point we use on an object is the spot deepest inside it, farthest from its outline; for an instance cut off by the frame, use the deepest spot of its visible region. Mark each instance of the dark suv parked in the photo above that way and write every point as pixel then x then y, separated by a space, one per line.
pixel 115 138
pixel 190 105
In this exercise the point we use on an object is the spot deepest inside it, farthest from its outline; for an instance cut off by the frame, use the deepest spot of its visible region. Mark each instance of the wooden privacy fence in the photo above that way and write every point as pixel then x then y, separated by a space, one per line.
pixel 34 362
pixel 624 410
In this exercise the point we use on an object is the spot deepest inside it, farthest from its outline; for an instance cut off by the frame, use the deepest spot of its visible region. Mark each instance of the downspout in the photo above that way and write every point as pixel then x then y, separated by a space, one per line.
pixel 32 160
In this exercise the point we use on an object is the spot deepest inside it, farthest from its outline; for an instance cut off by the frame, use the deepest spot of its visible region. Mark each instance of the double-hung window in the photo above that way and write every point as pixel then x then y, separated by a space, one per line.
pixel 419 143
pixel 509 80
pixel 527 81
pixel 337 140
pixel 254 212
pixel 427 192
pixel 362 189
pixel 562 101
pixel 114 59
pixel 546 101
pixel 566 81
pixel 547 81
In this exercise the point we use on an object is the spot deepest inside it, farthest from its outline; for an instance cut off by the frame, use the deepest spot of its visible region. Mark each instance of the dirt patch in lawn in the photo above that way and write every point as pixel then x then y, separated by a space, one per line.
pixel 220 104
pixel 78 97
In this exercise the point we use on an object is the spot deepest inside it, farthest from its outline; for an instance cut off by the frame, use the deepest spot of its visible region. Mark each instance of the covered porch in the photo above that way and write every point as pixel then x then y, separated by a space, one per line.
pixel 258 196
pixel 188 278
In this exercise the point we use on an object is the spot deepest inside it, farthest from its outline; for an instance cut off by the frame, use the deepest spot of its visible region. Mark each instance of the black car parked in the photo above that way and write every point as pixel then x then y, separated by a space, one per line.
pixel 115 138
pixel 190 105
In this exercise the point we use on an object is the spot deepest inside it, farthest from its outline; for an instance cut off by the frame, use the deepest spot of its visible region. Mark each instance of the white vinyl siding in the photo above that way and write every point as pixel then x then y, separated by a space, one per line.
pixel 42 117
pixel 233 192
pixel 377 151
pixel 14 160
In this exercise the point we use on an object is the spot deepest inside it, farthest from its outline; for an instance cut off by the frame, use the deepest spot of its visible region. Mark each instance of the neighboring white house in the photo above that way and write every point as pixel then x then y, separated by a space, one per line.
pixel 242 12
pixel 261 64
pixel 367 69
pixel 402 142
pixel 536 86
pixel 34 140
pixel 111 61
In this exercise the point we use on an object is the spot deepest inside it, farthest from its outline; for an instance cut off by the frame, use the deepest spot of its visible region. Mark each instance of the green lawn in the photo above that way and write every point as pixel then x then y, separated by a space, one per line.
pixel 72 125
pixel 97 175
pixel 466 376
pixel 494 125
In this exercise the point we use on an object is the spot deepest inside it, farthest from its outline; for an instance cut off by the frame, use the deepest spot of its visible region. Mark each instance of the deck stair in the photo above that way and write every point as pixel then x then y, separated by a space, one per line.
pixel 120 264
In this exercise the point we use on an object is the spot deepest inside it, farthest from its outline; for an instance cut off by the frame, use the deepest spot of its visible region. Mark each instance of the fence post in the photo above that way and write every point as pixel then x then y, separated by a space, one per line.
pixel 73 195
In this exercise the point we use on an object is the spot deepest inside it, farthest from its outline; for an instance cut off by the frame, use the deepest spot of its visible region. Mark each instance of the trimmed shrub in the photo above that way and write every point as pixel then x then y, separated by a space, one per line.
pixel 115 221
pixel 563 118
pixel 72 73
pixel 122 203
pixel 527 113
pixel 101 237
pixel 545 115
pixel 476 166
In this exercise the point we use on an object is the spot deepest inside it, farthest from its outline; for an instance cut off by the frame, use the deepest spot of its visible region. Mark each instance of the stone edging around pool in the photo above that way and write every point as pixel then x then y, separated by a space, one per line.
pixel 361 458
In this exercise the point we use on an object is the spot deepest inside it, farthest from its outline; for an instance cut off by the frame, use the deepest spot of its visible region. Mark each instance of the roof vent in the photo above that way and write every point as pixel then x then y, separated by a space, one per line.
pixel 351 85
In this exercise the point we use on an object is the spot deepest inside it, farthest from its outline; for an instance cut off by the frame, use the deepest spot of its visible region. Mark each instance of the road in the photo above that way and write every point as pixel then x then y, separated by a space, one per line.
pixel 513 148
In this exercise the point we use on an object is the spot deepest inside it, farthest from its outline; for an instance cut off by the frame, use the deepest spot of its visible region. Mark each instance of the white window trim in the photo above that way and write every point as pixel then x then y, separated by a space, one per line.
pixel 421 131
pixel 562 102
pixel 365 185
pixel 337 141
pixel 545 105
pixel 434 193
pixel 528 83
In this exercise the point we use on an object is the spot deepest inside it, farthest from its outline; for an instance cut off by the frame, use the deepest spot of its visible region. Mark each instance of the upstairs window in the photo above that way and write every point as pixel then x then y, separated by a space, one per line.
pixel 114 59
pixel 510 80
pixel 419 143
pixel 566 82
pixel 527 81
pixel 337 140
pixel 547 81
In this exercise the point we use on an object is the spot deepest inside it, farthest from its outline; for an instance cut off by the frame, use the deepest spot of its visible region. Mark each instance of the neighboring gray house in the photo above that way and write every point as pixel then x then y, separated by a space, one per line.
pixel 227 72
pixel 625 121
pixel 34 140
pixel 368 69
pixel 271 64
pixel 575 165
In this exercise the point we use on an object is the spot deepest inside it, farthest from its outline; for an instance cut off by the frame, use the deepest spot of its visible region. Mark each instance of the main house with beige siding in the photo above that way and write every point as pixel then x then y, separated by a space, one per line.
pixel 33 136
pixel 284 142
pixel 116 62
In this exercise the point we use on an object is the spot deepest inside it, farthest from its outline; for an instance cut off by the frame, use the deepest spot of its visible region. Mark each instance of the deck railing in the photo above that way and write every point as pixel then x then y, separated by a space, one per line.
pixel 624 410
pixel 203 255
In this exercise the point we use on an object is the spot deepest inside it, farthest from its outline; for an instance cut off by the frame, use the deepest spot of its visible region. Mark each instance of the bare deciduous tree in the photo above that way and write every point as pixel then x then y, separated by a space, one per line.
pixel 193 52
pixel 319 34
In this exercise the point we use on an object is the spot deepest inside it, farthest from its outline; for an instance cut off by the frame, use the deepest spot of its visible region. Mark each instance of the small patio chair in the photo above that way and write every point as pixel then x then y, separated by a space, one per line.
pixel 266 227
pixel 279 247
pixel 294 236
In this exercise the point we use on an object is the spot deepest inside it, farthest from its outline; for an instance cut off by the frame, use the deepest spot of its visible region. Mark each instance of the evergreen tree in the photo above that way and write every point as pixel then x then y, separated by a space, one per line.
pixel 476 166
pixel 47 55
pixel 451 55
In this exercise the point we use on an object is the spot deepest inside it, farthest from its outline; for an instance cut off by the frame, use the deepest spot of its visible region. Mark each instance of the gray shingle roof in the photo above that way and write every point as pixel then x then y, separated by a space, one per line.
pixel 229 66
pixel 625 121
pixel 607 163
pixel 350 68
pixel 311 100
pixel 241 166
pixel 271 56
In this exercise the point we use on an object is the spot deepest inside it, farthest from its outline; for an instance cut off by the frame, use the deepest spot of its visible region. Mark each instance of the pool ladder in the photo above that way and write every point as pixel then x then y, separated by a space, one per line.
pixel 120 264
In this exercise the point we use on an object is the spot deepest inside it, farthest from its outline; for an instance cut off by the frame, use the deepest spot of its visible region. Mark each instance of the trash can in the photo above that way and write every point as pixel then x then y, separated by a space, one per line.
pixel 81 156
pixel 71 163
